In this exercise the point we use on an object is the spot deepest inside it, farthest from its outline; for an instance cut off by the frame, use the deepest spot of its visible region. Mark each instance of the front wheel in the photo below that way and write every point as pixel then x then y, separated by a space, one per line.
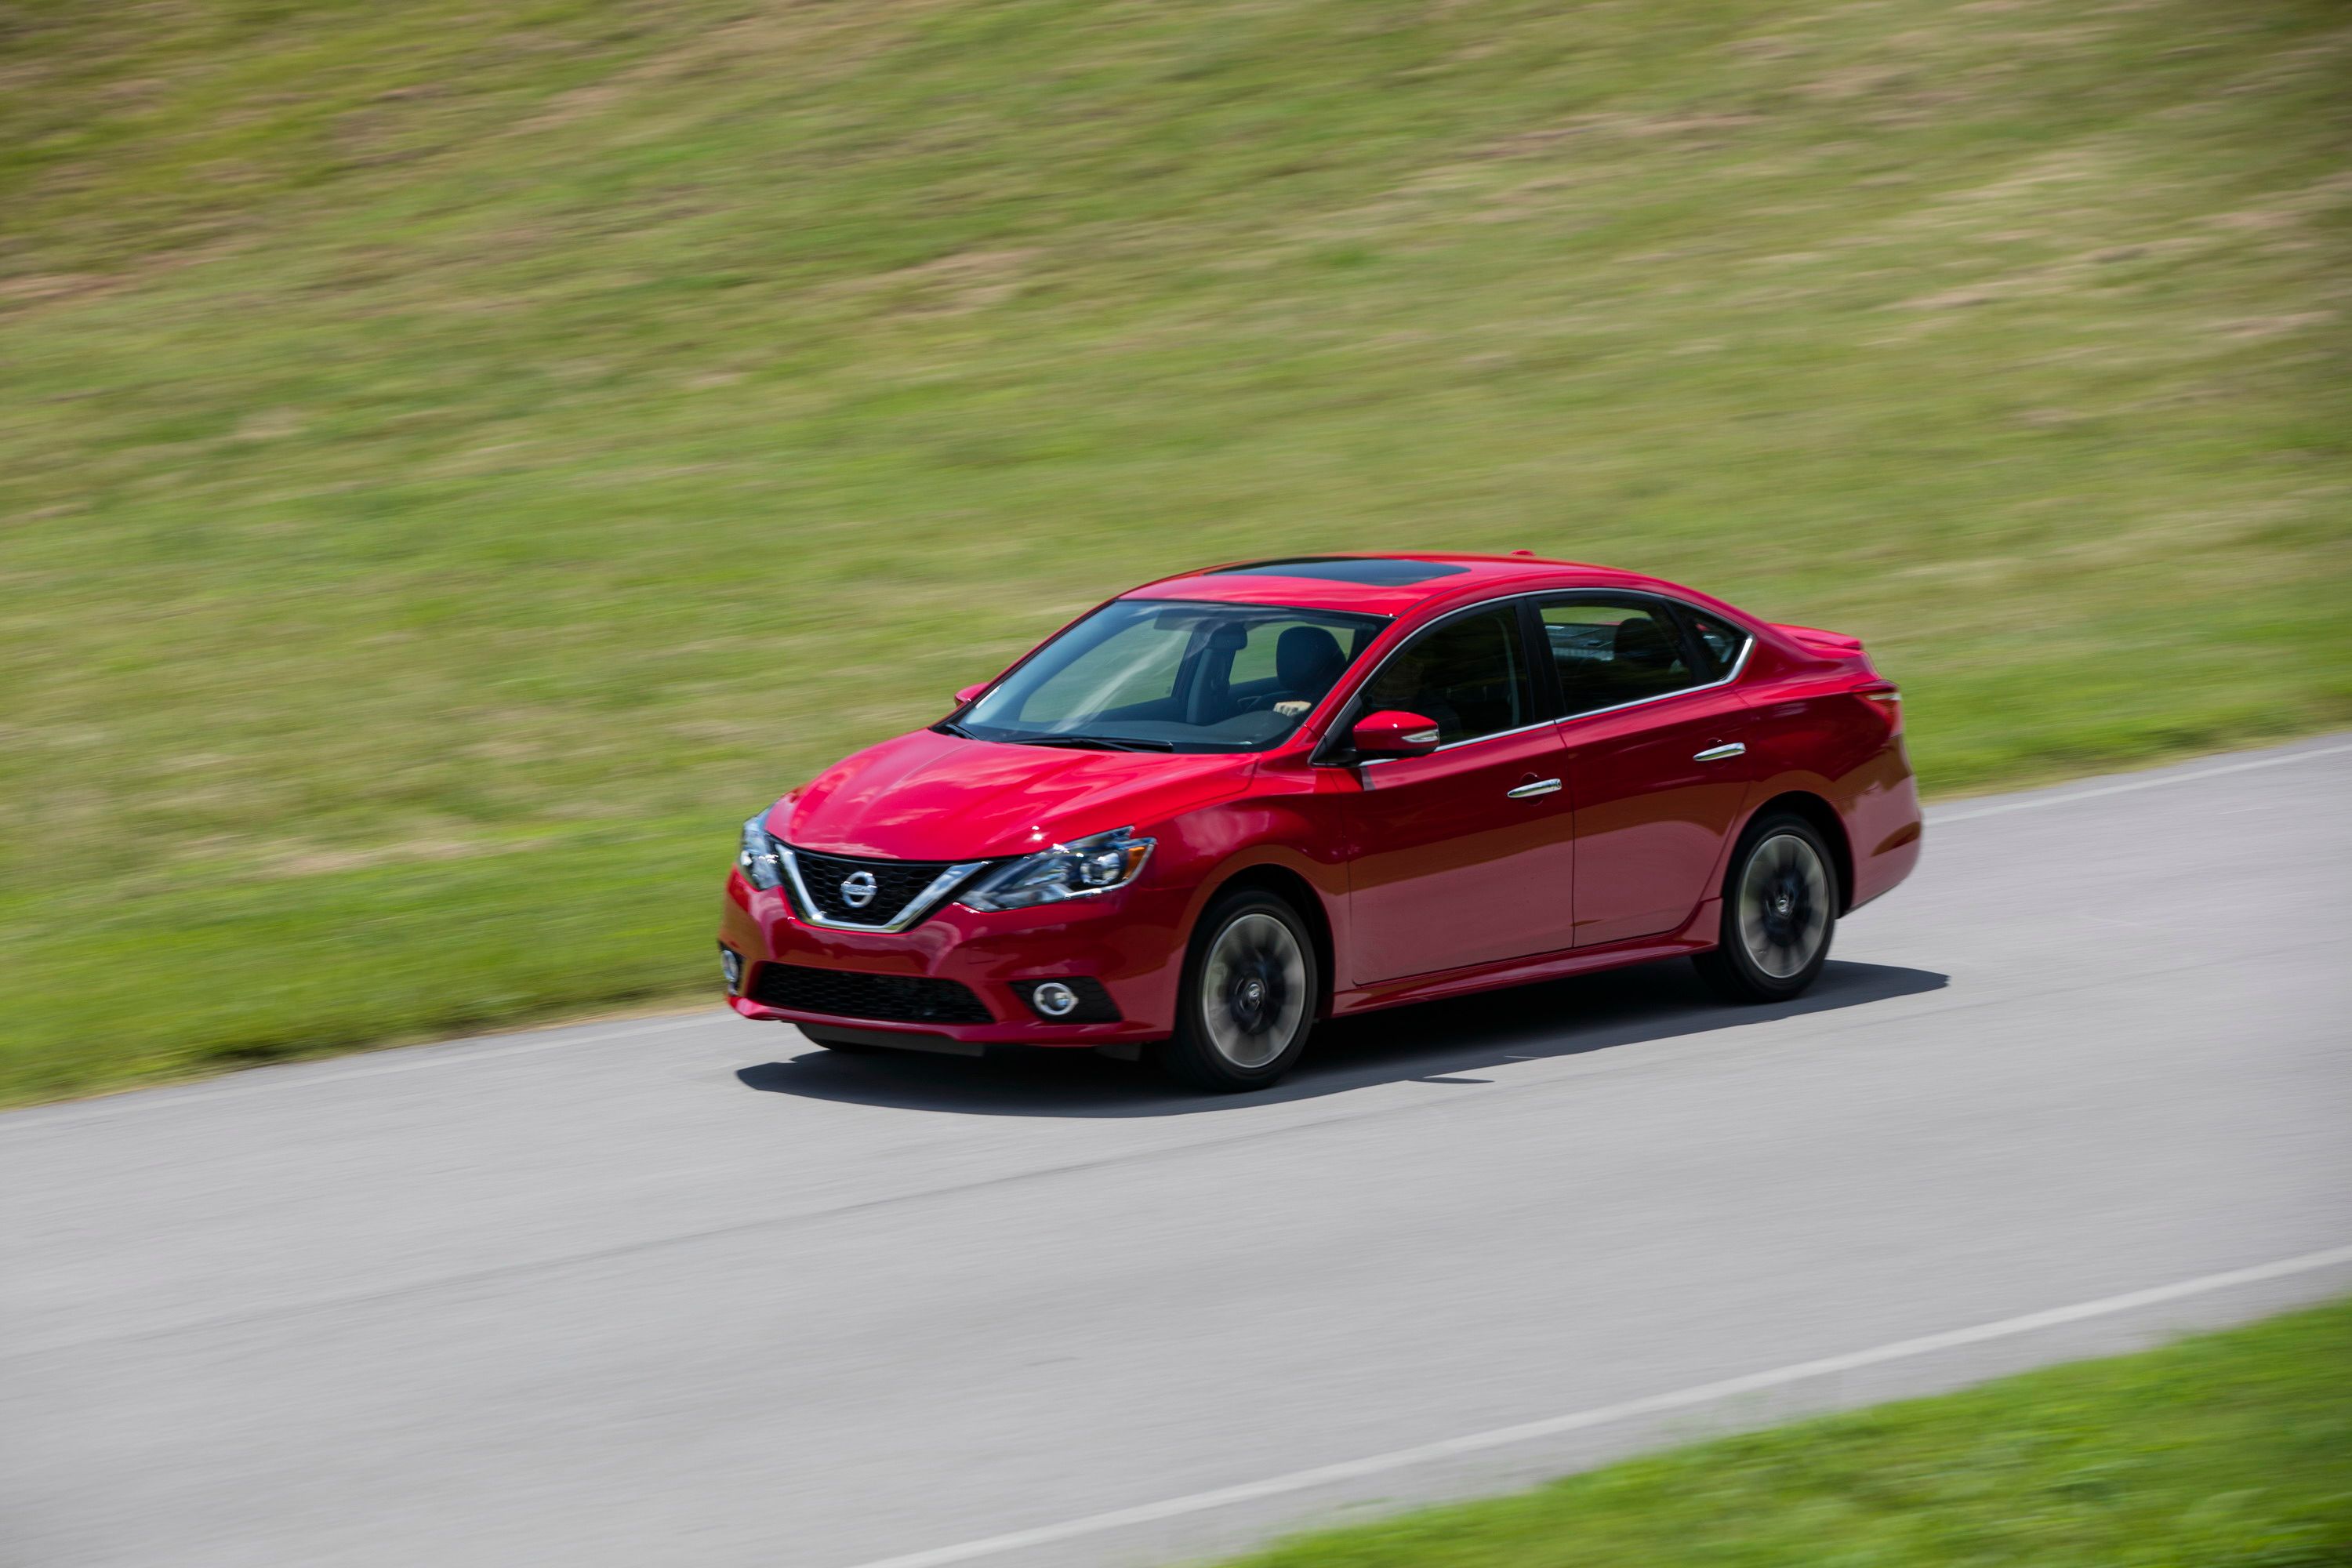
pixel 1248 999
pixel 1779 911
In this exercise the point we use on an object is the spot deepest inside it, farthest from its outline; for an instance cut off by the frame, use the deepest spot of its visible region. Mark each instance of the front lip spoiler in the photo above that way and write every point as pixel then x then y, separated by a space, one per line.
pixel 894 1040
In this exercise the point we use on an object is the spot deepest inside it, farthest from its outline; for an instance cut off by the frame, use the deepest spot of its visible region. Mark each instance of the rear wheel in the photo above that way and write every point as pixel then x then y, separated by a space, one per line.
pixel 1248 999
pixel 1779 912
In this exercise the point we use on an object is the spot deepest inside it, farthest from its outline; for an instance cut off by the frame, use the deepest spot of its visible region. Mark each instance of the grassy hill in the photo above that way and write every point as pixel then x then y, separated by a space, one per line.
pixel 457 460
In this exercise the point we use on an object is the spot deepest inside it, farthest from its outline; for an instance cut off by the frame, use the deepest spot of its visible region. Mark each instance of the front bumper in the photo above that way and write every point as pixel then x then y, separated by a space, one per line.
pixel 1131 940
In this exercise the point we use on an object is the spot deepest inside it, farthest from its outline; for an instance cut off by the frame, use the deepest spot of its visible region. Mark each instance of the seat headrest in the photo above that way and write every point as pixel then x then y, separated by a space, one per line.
pixel 1228 637
pixel 1307 659
pixel 1643 643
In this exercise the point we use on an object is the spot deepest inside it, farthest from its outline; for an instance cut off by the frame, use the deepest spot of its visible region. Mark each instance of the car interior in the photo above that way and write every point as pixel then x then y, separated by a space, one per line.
pixel 1215 690
pixel 1241 678
pixel 1245 678
pixel 1608 655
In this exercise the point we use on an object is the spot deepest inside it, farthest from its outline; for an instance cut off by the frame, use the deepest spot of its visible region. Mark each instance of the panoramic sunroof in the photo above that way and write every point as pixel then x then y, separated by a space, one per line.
pixel 1346 569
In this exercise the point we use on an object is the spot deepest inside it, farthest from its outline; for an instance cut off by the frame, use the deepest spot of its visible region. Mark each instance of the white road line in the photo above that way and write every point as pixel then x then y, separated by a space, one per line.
pixel 2035 803
pixel 1656 1403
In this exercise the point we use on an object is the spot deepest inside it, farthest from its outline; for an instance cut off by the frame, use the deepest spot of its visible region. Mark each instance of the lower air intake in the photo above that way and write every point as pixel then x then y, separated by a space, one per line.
pixel 886 998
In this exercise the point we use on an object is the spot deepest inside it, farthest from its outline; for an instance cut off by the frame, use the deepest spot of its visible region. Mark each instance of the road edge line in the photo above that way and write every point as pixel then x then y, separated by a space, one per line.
pixel 2036 802
pixel 1652 1404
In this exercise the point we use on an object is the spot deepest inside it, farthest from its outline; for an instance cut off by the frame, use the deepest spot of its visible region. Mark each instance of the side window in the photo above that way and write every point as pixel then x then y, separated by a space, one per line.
pixel 1720 642
pixel 1470 675
pixel 1610 654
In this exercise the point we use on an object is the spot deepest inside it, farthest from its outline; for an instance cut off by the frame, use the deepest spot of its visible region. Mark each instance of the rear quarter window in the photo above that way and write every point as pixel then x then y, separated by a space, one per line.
pixel 1719 643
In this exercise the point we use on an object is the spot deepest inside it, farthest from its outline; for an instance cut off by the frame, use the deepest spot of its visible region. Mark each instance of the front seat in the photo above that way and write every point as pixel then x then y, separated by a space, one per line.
pixel 1308 661
pixel 1644 656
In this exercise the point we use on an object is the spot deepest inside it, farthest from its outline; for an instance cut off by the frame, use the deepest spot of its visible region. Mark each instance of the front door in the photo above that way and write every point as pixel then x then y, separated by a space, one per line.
pixel 1466 855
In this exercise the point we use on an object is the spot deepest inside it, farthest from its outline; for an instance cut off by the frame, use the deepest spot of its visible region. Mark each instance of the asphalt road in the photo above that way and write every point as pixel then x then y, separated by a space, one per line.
pixel 688 1291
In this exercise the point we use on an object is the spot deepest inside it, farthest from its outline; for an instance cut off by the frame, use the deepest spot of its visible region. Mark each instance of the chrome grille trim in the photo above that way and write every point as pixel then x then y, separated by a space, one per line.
pixel 918 908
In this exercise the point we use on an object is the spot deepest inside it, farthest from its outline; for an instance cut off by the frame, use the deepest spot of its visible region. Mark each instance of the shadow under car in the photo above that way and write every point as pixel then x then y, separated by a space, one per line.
pixel 1432 1042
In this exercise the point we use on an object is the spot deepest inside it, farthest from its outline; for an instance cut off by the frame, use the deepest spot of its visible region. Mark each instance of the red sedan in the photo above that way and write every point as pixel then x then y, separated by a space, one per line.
pixel 1226 805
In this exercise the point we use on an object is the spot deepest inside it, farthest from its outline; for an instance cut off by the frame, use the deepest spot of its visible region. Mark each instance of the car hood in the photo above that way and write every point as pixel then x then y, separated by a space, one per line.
pixel 928 796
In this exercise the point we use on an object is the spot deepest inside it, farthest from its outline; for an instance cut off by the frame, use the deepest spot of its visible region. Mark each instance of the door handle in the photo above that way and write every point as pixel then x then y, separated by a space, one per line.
pixel 1720 754
pixel 1529 791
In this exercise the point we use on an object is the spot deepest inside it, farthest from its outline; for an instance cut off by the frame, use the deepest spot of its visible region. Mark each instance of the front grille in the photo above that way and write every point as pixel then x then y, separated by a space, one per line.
pixel 897 884
pixel 846 993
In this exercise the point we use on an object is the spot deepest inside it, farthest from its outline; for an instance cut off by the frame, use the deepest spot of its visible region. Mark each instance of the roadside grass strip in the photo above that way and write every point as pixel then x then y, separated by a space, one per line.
pixel 2228 1450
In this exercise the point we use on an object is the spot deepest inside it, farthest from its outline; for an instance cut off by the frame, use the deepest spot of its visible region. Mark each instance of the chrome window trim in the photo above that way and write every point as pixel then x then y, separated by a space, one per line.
pixel 1475 740
pixel 1747 646
pixel 1736 666
pixel 918 908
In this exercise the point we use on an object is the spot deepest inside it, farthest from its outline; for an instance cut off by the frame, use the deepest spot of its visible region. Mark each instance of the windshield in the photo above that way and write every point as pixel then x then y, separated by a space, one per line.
pixel 1160 675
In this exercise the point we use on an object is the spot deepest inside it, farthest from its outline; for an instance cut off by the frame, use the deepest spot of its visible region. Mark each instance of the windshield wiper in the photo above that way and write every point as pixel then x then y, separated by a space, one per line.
pixel 949 727
pixel 1094 742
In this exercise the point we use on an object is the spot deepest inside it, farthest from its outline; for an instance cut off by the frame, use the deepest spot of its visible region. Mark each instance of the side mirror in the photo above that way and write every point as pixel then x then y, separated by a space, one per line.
pixel 1390 734
pixel 968 692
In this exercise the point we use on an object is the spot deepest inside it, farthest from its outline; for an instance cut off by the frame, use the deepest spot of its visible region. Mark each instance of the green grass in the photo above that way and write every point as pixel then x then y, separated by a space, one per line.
pixel 2233 1450
pixel 457 460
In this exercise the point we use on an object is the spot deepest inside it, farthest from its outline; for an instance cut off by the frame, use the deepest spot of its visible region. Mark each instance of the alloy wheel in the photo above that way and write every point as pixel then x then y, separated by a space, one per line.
pixel 1784 905
pixel 1253 990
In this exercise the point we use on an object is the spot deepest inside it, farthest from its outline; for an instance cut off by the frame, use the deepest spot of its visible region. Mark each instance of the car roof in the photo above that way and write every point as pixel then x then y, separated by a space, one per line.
pixel 1380 584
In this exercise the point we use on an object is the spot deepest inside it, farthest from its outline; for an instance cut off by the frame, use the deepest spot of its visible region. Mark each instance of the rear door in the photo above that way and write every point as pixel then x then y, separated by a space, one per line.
pixel 1466 855
pixel 1655 738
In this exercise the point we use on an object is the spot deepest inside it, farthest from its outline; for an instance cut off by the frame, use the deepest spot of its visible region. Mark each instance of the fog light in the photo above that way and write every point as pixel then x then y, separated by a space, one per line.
pixel 1074 999
pixel 730 964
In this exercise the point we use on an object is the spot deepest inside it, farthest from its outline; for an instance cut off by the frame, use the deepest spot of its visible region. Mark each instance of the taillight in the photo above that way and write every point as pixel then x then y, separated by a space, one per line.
pixel 1890 702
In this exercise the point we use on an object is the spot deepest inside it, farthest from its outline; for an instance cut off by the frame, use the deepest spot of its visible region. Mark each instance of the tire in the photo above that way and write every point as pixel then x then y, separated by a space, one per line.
pixel 1779 913
pixel 1247 1004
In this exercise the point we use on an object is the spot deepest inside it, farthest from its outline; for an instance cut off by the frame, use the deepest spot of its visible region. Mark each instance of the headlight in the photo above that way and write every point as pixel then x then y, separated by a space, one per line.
pixel 1075 870
pixel 762 861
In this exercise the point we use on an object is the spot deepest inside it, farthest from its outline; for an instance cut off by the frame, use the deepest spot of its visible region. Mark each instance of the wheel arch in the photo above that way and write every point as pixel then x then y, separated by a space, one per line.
pixel 1825 820
pixel 1295 889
